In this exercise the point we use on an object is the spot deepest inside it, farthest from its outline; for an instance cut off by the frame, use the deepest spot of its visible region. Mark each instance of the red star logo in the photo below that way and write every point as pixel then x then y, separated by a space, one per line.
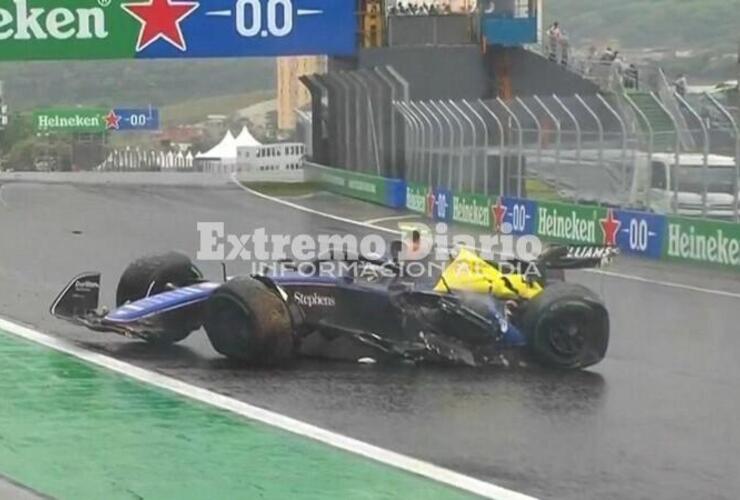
pixel 610 226
pixel 498 211
pixel 431 202
pixel 160 19
pixel 112 120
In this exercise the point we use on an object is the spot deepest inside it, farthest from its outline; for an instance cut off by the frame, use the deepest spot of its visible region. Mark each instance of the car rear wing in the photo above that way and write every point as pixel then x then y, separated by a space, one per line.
pixel 577 256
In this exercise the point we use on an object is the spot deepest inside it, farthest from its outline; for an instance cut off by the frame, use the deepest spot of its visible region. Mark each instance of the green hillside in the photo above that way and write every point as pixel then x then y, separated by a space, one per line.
pixel 131 83
pixel 681 24
pixel 697 37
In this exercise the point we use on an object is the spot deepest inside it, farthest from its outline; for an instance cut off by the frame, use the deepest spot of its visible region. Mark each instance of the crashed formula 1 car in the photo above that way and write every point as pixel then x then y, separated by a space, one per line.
pixel 473 314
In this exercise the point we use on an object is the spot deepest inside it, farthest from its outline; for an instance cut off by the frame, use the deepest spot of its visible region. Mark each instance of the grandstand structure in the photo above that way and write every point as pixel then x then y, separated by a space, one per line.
pixel 480 89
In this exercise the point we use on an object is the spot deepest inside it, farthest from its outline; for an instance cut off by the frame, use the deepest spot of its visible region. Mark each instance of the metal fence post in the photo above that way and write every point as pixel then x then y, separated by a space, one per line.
pixel 418 140
pixel 366 145
pixel 409 136
pixel 651 143
pixel 419 144
pixel 377 101
pixel 450 154
pixel 429 140
pixel 392 122
pixel 599 126
pixel 705 164
pixel 462 144
pixel 676 146
pixel 520 142
pixel 422 142
pixel 558 139
pixel 472 129
pixel 576 124
pixel 438 155
pixel 623 126
pixel 487 146
pixel 502 149
pixel 539 129
pixel 362 149
pixel 347 134
pixel 733 123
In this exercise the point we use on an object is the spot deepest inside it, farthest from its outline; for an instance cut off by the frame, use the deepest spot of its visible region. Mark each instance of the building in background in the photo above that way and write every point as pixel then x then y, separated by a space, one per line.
pixel 460 5
pixel 291 94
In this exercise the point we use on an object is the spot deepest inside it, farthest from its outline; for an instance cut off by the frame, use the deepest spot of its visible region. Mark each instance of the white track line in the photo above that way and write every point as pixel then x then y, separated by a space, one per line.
pixel 667 284
pixel 405 463
pixel 304 196
pixel 391 219
pixel 2 200
pixel 311 210
pixel 370 224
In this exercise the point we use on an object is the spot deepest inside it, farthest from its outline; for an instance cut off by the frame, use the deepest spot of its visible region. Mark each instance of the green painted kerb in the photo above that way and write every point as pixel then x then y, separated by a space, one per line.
pixel 72 430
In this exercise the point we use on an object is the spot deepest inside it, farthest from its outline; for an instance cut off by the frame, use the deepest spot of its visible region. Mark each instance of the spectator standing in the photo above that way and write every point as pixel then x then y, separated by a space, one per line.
pixel 553 40
pixel 632 78
pixel 609 55
pixel 564 48
pixel 681 84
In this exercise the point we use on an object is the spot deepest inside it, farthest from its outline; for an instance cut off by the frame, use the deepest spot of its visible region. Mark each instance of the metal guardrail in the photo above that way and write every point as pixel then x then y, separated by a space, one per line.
pixel 583 148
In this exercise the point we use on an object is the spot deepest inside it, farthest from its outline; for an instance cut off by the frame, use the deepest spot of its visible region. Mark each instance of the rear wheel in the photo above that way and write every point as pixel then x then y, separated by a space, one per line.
pixel 567 326
pixel 246 321
pixel 155 274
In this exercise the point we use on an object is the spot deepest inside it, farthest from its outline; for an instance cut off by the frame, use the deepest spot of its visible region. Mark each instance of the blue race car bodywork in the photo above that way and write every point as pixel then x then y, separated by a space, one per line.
pixel 370 312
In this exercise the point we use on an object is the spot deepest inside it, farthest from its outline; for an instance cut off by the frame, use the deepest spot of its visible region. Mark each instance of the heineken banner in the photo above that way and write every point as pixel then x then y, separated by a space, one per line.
pixel 442 205
pixel 417 198
pixel 473 209
pixel 500 214
pixel 703 242
pixel 71 120
pixel 573 224
pixel 640 233
pixel 147 29
pixel 514 216
pixel 95 120
pixel 124 119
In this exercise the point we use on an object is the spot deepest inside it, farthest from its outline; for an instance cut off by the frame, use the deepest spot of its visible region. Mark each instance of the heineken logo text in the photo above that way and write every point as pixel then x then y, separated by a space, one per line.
pixel 415 200
pixel 59 23
pixel 470 212
pixel 716 247
pixel 567 227
pixel 46 122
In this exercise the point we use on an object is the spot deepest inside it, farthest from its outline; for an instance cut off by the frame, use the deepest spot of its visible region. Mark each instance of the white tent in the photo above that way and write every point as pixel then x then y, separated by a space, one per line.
pixel 224 150
pixel 246 139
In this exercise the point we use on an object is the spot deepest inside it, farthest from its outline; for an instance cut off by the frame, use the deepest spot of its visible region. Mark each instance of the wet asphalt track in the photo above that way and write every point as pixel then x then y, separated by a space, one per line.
pixel 657 419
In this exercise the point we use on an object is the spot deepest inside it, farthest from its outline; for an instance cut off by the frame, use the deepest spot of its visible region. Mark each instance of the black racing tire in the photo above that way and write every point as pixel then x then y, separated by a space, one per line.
pixel 248 322
pixel 567 327
pixel 158 272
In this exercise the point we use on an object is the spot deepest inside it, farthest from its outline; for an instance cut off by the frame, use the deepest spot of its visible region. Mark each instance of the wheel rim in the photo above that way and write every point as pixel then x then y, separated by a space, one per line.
pixel 566 338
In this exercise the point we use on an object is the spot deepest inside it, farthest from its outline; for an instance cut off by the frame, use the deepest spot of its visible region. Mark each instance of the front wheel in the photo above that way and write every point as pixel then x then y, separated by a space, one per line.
pixel 156 274
pixel 567 327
